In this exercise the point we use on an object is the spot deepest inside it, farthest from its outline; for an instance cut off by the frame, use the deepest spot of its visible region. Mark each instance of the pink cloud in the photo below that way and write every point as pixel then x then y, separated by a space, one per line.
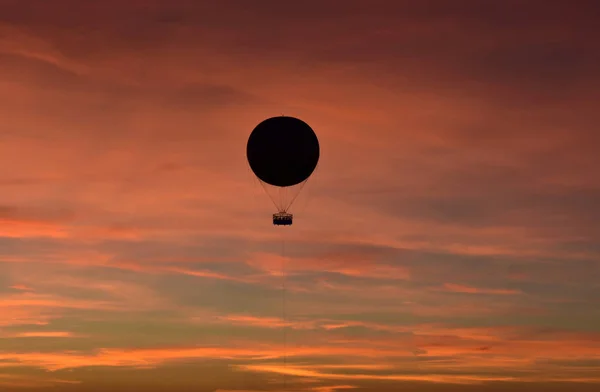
pixel 265 322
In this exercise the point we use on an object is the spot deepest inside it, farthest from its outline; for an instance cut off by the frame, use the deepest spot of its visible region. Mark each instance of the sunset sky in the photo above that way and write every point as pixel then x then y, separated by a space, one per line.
pixel 448 241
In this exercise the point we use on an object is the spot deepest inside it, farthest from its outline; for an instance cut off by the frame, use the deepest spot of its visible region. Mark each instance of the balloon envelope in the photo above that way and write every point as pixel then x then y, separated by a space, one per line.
pixel 283 151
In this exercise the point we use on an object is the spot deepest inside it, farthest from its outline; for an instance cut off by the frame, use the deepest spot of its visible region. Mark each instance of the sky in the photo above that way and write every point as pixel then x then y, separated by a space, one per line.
pixel 448 240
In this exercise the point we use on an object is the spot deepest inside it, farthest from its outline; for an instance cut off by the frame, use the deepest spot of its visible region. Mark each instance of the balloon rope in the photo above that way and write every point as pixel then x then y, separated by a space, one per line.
pixel 282 196
pixel 297 194
pixel 268 194
pixel 283 289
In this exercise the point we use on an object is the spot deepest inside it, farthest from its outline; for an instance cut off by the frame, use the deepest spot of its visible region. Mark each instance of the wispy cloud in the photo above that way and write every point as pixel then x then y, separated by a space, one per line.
pixel 21 287
pixel 41 334
pixel 458 288
pixel 434 378
pixel 28 381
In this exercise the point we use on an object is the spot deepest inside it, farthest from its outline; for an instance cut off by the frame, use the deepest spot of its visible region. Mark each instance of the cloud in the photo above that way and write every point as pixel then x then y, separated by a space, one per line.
pixel 333 388
pixel 457 288
pixel 29 381
pixel 434 378
pixel 41 334
pixel 21 287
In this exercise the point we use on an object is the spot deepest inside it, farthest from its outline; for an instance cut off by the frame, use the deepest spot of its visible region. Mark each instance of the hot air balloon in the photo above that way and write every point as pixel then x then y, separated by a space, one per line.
pixel 283 152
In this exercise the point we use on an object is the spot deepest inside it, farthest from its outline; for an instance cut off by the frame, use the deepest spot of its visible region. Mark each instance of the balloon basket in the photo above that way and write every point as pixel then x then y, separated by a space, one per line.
pixel 282 219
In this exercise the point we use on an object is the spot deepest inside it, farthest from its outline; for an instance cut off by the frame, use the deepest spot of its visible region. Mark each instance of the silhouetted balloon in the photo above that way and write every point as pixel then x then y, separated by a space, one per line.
pixel 283 151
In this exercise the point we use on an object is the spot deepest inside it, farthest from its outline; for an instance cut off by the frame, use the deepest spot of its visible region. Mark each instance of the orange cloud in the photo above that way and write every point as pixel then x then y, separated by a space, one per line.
pixel 48 301
pixel 433 378
pixel 19 229
pixel 332 388
pixel 458 288
pixel 43 334
pixel 22 316
pixel 28 381
pixel 21 287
